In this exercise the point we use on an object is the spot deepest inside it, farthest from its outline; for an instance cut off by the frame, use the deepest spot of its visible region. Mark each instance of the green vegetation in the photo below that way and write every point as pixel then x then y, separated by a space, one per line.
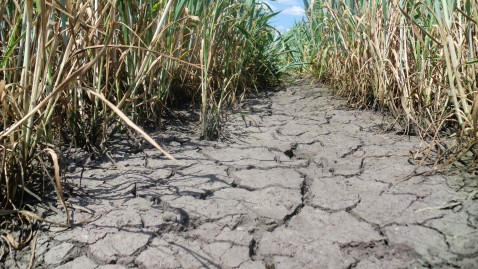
pixel 417 59
pixel 75 72
pixel 72 72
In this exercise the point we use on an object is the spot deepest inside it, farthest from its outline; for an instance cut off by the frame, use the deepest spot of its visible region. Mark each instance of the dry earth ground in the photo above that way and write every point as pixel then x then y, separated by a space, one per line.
pixel 302 184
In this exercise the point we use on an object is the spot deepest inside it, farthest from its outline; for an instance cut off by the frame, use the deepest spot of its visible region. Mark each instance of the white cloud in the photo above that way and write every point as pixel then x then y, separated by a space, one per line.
pixel 294 11
pixel 289 2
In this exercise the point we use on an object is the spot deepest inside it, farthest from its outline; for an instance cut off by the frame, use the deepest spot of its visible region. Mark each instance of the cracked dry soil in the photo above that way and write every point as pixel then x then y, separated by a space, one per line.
pixel 303 184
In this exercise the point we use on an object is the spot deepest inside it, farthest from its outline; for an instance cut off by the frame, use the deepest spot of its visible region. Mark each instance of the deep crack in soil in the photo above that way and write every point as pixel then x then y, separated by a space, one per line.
pixel 300 183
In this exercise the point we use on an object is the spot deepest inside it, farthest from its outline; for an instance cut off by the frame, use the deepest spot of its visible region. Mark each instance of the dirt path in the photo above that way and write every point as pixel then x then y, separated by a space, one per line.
pixel 302 185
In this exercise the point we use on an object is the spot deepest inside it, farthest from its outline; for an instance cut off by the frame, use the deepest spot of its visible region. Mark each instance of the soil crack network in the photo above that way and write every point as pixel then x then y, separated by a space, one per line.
pixel 302 182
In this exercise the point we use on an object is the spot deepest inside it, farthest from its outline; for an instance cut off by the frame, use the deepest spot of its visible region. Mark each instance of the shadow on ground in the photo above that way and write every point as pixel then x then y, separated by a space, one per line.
pixel 300 183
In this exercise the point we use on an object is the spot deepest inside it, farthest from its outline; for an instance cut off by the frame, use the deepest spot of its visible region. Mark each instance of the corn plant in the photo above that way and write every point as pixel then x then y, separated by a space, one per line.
pixel 74 72
pixel 416 59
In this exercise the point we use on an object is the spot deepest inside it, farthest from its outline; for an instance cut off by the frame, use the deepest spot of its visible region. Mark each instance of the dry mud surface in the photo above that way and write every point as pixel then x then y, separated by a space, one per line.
pixel 301 184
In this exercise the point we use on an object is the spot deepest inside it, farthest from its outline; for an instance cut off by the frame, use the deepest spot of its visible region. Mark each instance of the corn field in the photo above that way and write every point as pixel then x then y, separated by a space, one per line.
pixel 73 72
pixel 415 59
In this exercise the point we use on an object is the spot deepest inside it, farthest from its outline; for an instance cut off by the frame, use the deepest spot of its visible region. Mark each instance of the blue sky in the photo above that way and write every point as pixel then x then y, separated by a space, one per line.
pixel 292 10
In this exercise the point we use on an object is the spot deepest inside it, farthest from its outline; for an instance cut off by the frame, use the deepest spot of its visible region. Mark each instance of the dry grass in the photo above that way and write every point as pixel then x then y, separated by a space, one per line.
pixel 416 59
pixel 71 72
